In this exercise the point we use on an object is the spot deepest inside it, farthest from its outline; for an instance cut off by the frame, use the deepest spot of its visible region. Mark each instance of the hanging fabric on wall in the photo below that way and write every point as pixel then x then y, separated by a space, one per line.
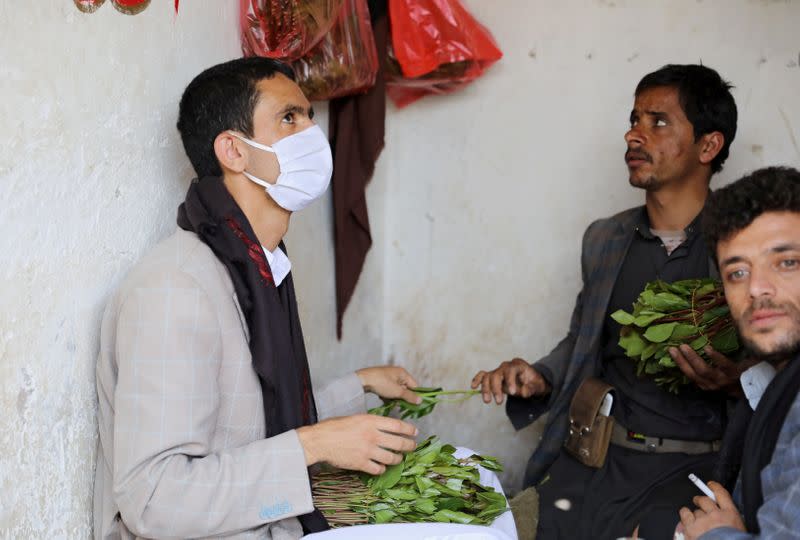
pixel 356 131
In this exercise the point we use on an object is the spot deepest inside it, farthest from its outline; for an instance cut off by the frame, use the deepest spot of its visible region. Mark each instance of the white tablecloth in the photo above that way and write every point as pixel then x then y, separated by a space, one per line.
pixel 502 528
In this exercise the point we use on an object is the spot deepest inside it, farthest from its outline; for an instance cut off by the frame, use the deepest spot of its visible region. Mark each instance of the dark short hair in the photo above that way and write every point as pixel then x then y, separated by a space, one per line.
pixel 220 98
pixel 705 98
pixel 737 205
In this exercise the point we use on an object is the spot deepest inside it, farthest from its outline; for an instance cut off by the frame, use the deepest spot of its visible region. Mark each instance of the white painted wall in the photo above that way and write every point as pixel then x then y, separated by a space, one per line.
pixel 477 206
pixel 489 190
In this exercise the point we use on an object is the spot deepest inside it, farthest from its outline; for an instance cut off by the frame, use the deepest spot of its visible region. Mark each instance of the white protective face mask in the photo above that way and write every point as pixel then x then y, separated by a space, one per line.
pixel 306 167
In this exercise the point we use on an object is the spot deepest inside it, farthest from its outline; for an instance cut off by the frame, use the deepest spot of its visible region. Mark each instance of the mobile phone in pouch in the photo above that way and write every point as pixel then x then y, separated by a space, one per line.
pixel 605 407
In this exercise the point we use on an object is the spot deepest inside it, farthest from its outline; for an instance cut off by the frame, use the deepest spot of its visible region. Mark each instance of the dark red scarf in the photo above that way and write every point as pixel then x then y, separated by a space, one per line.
pixel 276 338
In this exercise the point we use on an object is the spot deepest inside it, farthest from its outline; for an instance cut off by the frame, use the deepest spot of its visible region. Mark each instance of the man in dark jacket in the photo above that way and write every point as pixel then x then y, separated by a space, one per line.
pixel 681 127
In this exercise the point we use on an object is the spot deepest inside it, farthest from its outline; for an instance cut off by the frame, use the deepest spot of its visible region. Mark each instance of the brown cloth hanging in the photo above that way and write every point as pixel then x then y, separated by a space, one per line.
pixel 356 129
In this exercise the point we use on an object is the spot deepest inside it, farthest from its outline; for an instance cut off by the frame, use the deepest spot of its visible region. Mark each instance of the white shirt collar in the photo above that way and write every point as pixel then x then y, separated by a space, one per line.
pixel 755 380
pixel 279 263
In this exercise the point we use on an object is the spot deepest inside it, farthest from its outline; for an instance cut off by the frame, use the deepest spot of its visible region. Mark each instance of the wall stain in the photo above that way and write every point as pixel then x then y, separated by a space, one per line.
pixel 790 130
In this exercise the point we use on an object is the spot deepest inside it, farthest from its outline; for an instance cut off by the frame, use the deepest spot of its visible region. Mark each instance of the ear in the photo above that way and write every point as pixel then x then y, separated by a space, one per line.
pixel 710 146
pixel 231 152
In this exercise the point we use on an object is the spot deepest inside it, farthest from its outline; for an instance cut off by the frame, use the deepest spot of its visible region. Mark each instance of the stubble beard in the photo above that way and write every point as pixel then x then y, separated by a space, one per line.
pixel 786 347
pixel 650 183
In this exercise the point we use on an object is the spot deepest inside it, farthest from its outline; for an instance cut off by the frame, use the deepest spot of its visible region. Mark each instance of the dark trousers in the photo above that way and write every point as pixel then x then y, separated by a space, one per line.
pixel 631 489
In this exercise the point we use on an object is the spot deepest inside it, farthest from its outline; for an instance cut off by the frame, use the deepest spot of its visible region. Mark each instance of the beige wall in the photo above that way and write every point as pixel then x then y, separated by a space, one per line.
pixel 477 206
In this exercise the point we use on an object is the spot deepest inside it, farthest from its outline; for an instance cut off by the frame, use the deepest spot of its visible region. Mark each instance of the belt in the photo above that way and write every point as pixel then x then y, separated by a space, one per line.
pixel 659 445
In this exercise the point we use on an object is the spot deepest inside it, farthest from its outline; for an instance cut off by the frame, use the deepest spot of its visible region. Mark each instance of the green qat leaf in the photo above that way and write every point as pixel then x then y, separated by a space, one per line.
pixel 668 302
pixel 423 483
pixel 622 317
pixel 631 342
pixel 453 516
pixel 384 516
pixel 389 478
pixel 683 331
pixel 699 343
pixel 401 494
pixel 647 317
pixel 726 340
pixel 660 332
pixel 452 503
pixel 426 506
pixel 649 351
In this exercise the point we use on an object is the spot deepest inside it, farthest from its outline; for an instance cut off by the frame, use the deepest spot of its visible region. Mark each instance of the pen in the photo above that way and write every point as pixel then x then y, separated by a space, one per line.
pixel 702 486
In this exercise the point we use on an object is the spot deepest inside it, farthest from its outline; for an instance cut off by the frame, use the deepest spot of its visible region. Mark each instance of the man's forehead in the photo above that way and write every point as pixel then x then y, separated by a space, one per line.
pixel 768 233
pixel 661 96
pixel 279 93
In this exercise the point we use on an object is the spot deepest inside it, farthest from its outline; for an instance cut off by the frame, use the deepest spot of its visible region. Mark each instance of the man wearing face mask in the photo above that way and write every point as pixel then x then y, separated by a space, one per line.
pixel 208 421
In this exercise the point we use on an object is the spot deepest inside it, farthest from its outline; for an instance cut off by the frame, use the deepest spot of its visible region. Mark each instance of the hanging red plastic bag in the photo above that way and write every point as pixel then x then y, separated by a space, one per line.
pixel 437 47
pixel 345 61
pixel 285 29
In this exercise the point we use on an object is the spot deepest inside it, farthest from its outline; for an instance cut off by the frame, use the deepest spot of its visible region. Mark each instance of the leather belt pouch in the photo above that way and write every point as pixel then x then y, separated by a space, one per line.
pixel 589 431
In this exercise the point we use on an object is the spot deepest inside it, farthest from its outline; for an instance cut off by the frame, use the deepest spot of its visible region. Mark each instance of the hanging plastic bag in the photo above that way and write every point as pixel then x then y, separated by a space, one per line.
pixel 437 47
pixel 285 29
pixel 345 61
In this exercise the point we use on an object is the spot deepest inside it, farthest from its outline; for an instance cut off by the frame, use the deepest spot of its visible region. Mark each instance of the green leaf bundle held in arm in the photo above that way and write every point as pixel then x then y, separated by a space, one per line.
pixel 665 315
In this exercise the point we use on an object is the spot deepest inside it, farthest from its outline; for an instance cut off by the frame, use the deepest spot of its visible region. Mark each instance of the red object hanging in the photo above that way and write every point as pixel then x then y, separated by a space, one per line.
pixel 345 61
pixel 437 47
pixel 285 29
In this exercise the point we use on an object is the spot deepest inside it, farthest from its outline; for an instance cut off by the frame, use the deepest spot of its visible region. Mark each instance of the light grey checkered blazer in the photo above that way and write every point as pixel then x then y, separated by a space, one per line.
pixel 182 452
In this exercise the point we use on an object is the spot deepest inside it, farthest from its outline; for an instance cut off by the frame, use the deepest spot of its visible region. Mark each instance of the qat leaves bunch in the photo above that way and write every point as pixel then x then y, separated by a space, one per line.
pixel 429 485
pixel 692 311
pixel 430 397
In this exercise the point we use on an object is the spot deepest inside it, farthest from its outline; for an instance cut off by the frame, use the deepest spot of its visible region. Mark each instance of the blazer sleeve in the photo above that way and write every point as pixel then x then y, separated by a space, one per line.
pixel 341 397
pixel 553 367
pixel 167 482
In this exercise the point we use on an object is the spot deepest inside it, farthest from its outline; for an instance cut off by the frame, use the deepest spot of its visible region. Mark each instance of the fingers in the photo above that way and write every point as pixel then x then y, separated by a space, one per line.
pixel 705 503
pixel 406 379
pixel 395 443
pixel 513 375
pixel 515 378
pixel 385 457
pixel 390 425
pixel 687 517
pixel 719 359
pixel 724 499
pixel 482 379
pixel 409 396
pixel 687 360
pixel 695 368
pixel 371 467
pixel 497 381
pixel 531 381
